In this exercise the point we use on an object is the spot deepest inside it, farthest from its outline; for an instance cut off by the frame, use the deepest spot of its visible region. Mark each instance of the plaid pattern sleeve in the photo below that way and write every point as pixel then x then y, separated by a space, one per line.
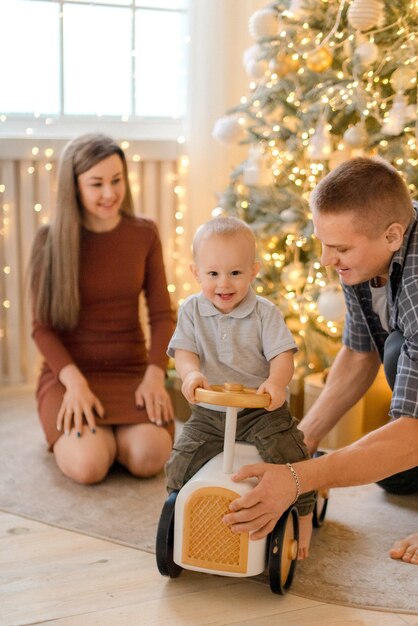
pixel 405 317
pixel 356 333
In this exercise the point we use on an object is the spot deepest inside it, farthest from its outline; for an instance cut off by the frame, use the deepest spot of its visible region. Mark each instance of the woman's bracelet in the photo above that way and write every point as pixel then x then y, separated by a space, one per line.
pixel 297 481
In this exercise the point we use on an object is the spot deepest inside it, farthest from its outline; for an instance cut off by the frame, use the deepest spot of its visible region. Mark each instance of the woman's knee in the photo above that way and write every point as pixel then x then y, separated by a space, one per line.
pixel 85 461
pixel 143 449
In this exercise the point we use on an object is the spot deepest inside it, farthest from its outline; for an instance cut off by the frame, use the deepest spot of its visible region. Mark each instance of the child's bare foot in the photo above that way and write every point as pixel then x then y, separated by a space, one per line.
pixel 305 533
pixel 406 549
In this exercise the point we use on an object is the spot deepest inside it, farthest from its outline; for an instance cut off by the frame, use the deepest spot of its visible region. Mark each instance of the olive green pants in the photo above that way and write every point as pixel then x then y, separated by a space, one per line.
pixel 274 433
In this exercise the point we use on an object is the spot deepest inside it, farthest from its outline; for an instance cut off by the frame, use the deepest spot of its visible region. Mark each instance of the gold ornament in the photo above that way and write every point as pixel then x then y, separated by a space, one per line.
pixel 283 64
pixel 319 60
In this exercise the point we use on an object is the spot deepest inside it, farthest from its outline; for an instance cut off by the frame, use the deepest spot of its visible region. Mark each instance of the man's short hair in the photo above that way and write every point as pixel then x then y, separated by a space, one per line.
pixel 368 187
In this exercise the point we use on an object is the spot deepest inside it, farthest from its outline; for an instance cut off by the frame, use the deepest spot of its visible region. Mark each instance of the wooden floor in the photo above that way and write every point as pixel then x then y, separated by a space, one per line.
pixel 57 577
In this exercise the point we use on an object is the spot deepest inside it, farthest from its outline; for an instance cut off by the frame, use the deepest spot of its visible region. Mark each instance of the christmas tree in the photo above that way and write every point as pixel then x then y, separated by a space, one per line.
pixel 327 81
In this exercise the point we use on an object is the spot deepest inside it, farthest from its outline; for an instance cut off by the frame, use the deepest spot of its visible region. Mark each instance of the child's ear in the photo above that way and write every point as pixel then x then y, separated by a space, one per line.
pixel 394 236
pixel 194 271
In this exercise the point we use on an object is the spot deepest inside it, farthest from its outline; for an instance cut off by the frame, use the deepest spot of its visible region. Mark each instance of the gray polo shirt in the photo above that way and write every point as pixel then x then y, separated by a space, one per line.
pixel 235 347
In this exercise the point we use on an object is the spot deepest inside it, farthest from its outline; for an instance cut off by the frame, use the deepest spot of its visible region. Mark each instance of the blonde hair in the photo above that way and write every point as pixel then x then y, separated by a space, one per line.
pixel 369 188
pixel 222 227
pixel 55 256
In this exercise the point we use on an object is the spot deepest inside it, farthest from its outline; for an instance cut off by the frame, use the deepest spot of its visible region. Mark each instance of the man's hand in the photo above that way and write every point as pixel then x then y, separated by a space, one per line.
pixel 258 511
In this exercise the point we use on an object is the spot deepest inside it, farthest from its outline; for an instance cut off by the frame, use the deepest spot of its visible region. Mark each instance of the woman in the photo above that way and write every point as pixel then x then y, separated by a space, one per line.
pixel 101 394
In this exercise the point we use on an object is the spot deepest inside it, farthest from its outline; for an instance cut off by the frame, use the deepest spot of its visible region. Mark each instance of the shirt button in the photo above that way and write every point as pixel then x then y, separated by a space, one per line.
pixel 224 336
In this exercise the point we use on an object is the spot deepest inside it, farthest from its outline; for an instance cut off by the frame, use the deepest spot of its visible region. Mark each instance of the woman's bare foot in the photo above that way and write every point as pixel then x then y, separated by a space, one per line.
pixel 305 533
pixel 406 549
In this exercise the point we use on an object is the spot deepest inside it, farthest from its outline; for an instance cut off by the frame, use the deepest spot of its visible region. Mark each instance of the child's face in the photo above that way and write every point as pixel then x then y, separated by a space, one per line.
pixel 225 268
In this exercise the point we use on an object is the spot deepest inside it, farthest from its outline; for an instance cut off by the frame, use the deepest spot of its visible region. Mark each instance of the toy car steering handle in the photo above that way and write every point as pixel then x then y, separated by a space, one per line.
pixel 232 395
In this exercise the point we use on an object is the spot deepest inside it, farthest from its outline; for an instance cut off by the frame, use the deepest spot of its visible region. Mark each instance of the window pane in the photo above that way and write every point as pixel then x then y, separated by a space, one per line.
pixel 124 3
pixel 161 4
pixel 29 57
pixel 97 60
pixel 159 63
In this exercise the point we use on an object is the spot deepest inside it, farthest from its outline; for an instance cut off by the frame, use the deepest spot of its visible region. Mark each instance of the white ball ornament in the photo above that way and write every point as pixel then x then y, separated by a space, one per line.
pixel 263 23
pixel 228 130
pixel 291 215
pixel 365 14
pixel 331 304
pixel 394 123
pixel 256 69
pixel 253 53
pixel 367 53
pixel 356 136
pixel 403 78
pixel 297 10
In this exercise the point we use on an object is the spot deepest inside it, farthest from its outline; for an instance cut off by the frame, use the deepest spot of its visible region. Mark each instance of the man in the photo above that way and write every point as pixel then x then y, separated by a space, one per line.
pixel 364 217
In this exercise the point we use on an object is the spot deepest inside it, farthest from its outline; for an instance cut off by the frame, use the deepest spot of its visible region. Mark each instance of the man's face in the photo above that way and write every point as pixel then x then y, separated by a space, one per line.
pixel 356 256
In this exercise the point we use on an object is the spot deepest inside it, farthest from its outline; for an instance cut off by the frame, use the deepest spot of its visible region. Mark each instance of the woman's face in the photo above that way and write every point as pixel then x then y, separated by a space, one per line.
pixel 102 190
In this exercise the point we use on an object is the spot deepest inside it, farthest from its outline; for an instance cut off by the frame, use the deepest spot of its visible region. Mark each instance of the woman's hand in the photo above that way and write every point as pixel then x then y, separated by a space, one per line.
pixel 78 402
pixel 153 396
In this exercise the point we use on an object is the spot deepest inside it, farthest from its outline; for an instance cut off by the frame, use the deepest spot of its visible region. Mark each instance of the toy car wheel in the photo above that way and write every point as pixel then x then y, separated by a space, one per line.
pixel 283 551
pixel 165 539
pixel 321 500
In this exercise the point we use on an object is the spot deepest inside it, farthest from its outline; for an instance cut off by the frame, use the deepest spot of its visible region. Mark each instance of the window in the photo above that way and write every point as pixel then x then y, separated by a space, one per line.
pixel 120 60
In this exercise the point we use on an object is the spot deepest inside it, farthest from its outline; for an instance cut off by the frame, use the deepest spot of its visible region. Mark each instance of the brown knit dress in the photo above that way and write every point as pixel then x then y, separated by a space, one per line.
pixel 108 343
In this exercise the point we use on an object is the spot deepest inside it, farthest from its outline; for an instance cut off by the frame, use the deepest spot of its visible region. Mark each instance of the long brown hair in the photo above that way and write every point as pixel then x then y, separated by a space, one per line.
pixel 55 256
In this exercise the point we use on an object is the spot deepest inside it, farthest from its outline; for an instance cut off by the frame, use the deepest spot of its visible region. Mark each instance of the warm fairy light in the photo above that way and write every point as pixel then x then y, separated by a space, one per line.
pixel 184 162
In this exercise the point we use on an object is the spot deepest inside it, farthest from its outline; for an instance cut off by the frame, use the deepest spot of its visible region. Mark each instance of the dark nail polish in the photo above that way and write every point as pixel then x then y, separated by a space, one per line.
pixel 93 430
pixel 78 434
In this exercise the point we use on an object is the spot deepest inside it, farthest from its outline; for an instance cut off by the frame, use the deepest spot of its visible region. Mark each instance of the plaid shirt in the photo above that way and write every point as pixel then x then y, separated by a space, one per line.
pixel 363 331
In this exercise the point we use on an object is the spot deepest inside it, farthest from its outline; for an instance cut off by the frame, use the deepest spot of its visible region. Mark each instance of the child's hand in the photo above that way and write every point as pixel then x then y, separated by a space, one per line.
pixel 193 380
pixel 277 394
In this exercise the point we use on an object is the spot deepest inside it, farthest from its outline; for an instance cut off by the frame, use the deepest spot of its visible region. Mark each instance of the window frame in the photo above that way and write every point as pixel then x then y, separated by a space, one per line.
pixel 66 126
